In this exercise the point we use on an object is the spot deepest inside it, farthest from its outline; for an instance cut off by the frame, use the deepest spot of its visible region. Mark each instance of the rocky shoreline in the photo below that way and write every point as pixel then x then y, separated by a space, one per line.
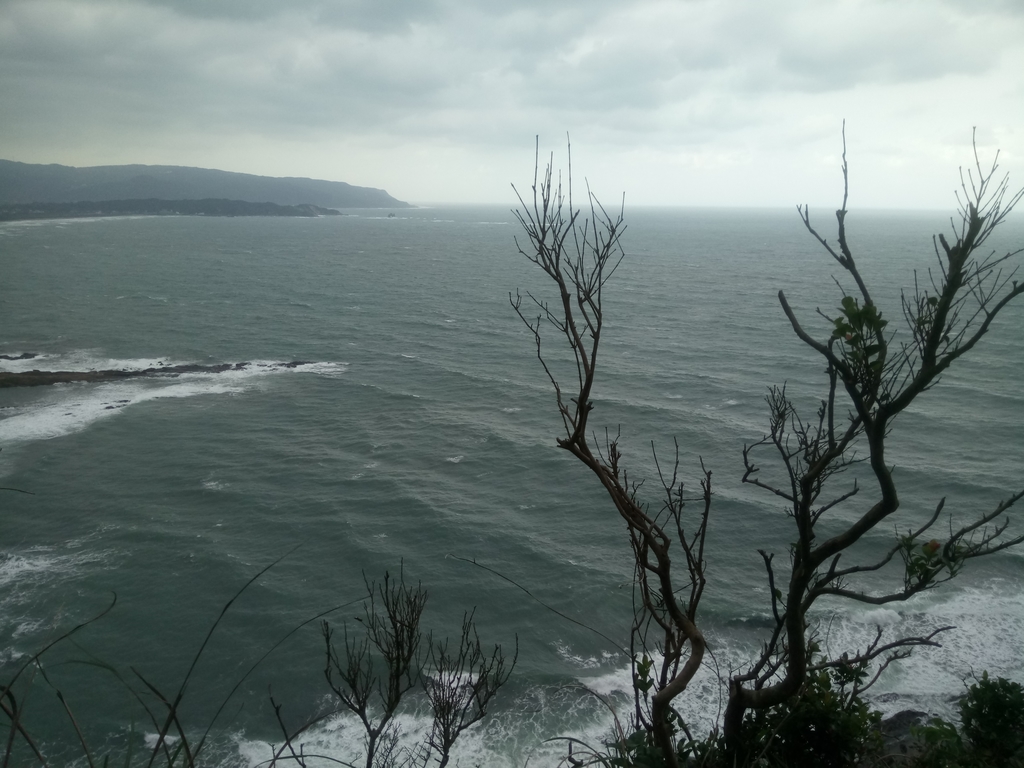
pixel 36 378
pixel 897 732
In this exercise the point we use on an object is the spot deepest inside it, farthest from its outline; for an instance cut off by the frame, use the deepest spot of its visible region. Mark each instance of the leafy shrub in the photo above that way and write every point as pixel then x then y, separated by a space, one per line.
pixel 941 746
pixel 992 730
pixel 992 714
pixel 825 726
pixel 637 750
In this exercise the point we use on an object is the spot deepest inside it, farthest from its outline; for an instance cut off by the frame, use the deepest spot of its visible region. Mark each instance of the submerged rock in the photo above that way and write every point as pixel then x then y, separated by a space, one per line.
pixel 37 378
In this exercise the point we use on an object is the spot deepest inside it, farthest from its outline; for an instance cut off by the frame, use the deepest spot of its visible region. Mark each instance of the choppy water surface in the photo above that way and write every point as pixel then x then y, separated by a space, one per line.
pixel 422 427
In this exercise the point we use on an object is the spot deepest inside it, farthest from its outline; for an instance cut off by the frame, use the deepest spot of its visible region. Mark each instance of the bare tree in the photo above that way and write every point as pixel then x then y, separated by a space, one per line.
pixel 388 659
pixel 393 630
pixel 871 379
pixel 579 254
pixel 461 686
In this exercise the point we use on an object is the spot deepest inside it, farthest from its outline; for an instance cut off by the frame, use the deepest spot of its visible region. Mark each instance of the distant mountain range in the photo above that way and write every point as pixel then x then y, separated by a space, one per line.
pixel 154 207
pixel 22 183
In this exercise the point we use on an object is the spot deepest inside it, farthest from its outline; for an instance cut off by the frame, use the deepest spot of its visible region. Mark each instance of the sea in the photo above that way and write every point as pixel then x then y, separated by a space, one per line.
pixel 417 439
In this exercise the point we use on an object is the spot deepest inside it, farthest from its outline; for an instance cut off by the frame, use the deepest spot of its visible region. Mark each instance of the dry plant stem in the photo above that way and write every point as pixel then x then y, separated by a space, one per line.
pixel 71 717
pixel 579 254
pixel 260 660
pixel 8 703
pixel 164 724
pixel 460 683
pixel 878 380
pixel 180 750
pixel 392 630
pixel 132 690
pixel 298 758
pixel 9 708
pixel 462 686
pixel 536 599
pixel 172 706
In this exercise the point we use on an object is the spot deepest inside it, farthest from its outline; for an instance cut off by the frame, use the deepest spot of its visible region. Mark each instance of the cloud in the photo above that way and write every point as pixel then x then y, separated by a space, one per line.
pixel 267 87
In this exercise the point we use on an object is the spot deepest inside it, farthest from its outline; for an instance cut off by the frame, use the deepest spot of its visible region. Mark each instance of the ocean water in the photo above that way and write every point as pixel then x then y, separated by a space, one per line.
pixel 419 434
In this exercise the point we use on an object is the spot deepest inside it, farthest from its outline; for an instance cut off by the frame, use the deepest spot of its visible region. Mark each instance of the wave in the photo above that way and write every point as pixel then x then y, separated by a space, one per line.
pixel 79 360
pixel 987 620
pixel 69 408
pixel 341 738
pixel 989 617
pixel 27 574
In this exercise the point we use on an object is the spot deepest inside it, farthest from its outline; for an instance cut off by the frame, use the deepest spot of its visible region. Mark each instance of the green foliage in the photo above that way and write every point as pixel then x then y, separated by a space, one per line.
pixel 941 746
pixel 992 714
pixel 825 726
pixel 860 330
pixel 637 750
pixel 992 731
pixel 829 726
pixel 926 562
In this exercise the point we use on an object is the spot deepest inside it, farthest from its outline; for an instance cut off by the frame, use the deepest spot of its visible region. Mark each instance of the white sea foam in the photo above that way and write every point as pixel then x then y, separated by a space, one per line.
pixel 578 661
pixel 988 621
pixel 701 705
pixel 18 568
pixel 29 627
pixel 24 574
pixel 40 563
pixel 152 739
pixel 341 738
pixel 68 408
pixel 8 226
pixel 330 370
pixel 82 360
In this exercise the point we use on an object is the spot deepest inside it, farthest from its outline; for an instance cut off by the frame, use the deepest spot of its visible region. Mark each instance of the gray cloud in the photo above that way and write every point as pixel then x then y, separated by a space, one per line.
pixel 699 81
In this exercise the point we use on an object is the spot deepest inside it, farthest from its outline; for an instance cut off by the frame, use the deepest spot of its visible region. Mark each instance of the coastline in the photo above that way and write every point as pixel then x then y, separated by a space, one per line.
pixel 89 209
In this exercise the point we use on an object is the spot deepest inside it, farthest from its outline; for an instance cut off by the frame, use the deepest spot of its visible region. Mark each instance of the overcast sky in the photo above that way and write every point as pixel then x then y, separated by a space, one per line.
pixel 679 102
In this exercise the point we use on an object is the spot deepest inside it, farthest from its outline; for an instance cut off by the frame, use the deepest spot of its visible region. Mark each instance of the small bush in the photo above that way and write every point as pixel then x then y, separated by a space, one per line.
pixel 824 727
pixel 992 714
pixel 991 734
pixel 941 746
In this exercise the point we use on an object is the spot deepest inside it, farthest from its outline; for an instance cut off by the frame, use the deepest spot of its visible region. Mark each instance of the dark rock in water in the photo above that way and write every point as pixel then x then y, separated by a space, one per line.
pixel 22 356
pixel 897 733
pixel 38 378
